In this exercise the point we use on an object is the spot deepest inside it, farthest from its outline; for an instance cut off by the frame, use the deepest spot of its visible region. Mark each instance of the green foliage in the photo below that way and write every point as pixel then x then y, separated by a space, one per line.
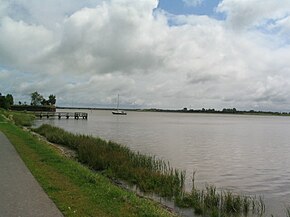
pixel 19 118
pixel 229 110
pixel 51 100
pixel 44 102
pixel 6 101
pixel 23 119
pixel 76 190
pixel 151 174
pixel 2 102
pixel 288 211
pixel 147 172
pixel 36 99
pixel 9 100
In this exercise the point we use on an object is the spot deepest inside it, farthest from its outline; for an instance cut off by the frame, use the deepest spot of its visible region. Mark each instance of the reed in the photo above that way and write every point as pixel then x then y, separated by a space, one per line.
pixel 152 175
pixel 147 172
pixel 76 190
pixel 288 211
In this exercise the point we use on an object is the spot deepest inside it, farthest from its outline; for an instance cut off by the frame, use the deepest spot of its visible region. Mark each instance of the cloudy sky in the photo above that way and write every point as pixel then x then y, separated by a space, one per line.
pixel 164 54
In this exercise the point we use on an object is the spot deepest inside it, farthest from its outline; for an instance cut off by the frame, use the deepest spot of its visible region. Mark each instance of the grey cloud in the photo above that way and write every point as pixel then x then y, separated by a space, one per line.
pixel 96 49
pixel 202 78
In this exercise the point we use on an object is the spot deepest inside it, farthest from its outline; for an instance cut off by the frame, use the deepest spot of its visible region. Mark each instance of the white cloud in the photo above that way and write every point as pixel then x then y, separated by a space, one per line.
pixel 246 13
pixel 48 13
pixel 193 3
pixel 22 44
pixel 109 38
pixel 87 52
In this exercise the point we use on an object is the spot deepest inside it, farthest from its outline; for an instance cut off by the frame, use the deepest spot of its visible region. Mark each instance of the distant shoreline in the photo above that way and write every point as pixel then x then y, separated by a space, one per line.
pixel 201 111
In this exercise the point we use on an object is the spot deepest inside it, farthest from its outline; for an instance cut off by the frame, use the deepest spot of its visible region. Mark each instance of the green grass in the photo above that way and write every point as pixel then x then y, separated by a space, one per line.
pixel 78 191
pixel 151 175
pixel 288 211
pixel 18 118
pixel 75 189
pixel 147 172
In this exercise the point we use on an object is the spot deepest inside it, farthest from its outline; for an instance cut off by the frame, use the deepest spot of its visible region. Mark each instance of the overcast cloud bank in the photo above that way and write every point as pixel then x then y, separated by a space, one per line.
pixel 86 52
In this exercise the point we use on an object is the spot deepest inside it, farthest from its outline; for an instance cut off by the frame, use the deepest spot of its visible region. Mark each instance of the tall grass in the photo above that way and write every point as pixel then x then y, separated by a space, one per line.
pixel 147 172
pixel 151 174
pixel 77 191
pixel 288 211
pixel 210 201
pixel 19 118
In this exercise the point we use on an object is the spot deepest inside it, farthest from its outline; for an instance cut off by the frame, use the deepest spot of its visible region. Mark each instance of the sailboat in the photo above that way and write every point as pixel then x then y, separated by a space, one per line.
pixel 119 112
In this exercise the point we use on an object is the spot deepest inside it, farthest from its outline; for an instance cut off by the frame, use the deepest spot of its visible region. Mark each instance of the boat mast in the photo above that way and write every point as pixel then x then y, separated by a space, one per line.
pixel 118 103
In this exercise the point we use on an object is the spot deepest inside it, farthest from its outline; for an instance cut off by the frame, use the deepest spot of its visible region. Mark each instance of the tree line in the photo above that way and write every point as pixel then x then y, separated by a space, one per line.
pixel 223 111
pixel 36 100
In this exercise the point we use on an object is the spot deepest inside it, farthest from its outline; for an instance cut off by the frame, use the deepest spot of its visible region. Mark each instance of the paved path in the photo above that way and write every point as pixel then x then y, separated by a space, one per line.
pixel 20 193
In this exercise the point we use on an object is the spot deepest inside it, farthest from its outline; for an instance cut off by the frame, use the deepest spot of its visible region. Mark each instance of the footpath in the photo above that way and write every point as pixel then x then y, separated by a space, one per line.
pixel 20 193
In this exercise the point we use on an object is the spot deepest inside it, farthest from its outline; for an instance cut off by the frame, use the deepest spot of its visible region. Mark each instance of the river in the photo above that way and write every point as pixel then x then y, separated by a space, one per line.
pixel 244 153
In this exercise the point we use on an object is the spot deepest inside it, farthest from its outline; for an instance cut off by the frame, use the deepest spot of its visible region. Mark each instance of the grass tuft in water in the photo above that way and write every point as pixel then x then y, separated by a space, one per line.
pixel 288 211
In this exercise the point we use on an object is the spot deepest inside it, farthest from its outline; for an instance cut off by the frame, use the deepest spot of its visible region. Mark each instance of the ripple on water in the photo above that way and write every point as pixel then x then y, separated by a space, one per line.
pixel 249 154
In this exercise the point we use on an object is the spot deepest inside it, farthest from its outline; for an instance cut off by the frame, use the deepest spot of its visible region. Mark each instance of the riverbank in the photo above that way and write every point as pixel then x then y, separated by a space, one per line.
pixel 208 197
pixel 76 190
pixel 229 111
pixel 23 198
pixel 152 175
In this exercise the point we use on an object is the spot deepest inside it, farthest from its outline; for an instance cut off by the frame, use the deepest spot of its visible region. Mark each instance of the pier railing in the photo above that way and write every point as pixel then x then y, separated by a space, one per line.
pixel 59 115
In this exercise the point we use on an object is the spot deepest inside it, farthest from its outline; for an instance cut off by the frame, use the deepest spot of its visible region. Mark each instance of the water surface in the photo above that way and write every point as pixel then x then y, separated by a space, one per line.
pixel 243 153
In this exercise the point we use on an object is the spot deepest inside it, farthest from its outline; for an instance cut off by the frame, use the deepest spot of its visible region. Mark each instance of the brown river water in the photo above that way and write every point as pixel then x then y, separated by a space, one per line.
pixel 246 154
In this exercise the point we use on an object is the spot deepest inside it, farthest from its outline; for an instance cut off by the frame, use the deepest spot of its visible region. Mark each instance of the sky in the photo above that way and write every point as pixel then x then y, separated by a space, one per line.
pixel 154 54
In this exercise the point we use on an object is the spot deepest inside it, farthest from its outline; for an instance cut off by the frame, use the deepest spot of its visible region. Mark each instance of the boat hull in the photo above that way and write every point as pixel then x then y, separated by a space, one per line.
pixel 119 113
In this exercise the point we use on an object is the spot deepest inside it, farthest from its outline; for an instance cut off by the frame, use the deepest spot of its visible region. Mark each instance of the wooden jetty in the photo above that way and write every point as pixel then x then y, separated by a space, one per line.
pixel 59 115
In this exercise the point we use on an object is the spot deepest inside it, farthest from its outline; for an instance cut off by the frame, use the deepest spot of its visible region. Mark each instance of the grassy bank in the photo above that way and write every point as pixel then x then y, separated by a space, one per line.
pixel 151 175
pixel 18 118
pixel 76 190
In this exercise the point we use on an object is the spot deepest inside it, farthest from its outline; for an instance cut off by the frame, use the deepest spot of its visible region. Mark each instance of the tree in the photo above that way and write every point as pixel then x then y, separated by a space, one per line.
pixel 2 101
pixel 229 110
pixel 9 100
pixel 234 110
pixel 6 101
pixel 44 102
pixel 51 99
pixel 36 98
